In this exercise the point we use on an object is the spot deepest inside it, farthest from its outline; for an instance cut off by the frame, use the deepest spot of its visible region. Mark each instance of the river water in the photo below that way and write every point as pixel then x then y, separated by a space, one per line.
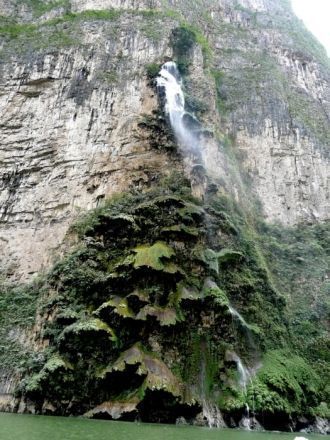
pixel 25 427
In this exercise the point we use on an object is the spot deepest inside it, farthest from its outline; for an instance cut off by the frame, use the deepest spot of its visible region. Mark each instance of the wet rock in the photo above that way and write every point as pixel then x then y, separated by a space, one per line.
pixel 125 410
pixel 200 420
pixel 320 426
pixel 181 421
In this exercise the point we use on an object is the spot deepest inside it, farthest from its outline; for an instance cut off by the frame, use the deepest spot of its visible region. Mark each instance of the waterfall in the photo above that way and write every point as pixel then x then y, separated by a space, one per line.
pixel 185 126
pixel 245 327
pixel 189 135
pixel 244 373
pixel 238 316
pixel 212 414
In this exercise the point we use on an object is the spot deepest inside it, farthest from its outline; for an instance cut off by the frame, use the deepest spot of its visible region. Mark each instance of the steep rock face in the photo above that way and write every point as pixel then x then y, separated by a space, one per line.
pixel 277 98
pixel 70 137
pixel 83 5
pixel 81 121
pixel 65 144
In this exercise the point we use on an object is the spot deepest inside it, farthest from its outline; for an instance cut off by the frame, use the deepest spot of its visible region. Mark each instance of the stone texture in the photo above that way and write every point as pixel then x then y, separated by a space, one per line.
pixel 69 128
pixel 69 138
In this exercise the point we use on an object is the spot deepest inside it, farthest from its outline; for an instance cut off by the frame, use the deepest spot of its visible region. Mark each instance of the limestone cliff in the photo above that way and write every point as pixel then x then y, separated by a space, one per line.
pixel 81 121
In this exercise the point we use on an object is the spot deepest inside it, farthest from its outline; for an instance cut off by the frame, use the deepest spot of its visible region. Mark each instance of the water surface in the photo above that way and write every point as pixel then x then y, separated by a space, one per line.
pixel 25 427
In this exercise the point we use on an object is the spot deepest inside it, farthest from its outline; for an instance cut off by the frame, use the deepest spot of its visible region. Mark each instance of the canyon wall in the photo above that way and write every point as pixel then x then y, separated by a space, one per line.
pixel 81 122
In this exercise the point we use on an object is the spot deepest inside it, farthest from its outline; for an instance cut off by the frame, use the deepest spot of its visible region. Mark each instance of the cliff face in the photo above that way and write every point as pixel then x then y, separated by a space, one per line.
pixel 66 85
pixel 69 134
pixel 81 121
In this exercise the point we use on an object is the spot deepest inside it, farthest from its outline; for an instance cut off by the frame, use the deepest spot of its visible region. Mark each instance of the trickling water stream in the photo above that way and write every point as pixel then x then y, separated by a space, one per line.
pixel 238 316
pixel 244 373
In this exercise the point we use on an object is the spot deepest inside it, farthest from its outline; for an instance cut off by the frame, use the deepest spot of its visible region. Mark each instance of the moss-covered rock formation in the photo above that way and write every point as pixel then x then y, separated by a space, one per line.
pixel 164 305
pixel 137 321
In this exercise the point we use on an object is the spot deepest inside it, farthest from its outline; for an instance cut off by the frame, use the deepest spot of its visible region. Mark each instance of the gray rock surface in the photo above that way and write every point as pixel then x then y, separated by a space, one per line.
pixel 70 111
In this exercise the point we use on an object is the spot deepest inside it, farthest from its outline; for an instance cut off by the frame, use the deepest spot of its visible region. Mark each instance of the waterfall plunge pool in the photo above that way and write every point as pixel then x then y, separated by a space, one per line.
pixel 28 427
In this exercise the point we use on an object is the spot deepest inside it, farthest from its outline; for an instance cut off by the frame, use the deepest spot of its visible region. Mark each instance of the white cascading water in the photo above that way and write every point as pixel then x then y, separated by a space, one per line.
pixel 238 316
pixel 169 80
pixel 244 373
pixel 244 379
pixel 212 414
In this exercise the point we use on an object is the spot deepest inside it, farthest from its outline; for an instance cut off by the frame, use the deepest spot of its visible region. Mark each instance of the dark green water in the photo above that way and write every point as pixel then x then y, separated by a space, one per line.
pixel 23 427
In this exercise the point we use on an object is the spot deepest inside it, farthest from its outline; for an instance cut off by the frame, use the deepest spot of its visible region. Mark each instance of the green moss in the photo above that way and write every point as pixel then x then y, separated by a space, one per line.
pixel 285 383
pixel 153 256
pixel 172 295
pixel 40 7
pixel 183 40
pixel 118 305
pixel 210 258
pixel 157 375
pixel 18 305
pixel 166 316
pixel 55 363
pixel 221 101
pixel 86 326
pixel 152 70
pixel 229 256
pixel 211 289
pixel 306 114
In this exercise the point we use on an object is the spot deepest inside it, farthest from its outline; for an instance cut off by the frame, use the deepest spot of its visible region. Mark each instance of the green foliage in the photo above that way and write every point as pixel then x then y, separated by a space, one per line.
pixel 210 258
pixel 221 101
pixel 228 256
pixel 157 375
pixel 40 7
pixel 54 364
pixel 57 32
pixel 111 210
pixel 183 40
pixel 112 292
pixel 322 410
pixel 285 383
pixel 18 306
pixel 196 105
pixel 119 305
pixel 89 325
pixel 211 289
pixel 152 70
pixel 111 76
pixel 305 113
pixel 11 29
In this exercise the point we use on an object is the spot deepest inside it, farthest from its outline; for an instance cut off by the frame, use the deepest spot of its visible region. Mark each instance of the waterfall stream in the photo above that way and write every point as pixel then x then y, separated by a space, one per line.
pixel 169 80
pixel 244 373
pixel 238 316
pixel 188 133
